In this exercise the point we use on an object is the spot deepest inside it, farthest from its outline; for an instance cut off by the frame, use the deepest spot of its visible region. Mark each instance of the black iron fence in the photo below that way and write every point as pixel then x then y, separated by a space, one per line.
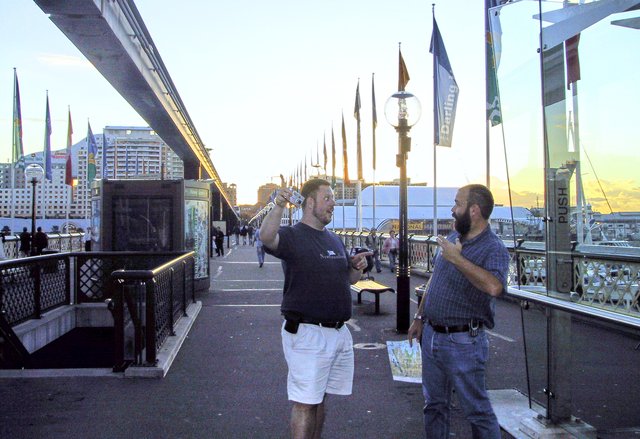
pixel 31 286
pixel 59 242
pixel 146 305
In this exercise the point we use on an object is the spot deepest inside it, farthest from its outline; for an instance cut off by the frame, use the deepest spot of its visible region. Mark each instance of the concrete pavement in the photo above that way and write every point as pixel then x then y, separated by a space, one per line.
pixel 229 378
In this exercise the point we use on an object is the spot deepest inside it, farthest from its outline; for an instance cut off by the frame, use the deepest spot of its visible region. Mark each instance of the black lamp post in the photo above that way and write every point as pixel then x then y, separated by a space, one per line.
pixel 403 110
pixel 34 174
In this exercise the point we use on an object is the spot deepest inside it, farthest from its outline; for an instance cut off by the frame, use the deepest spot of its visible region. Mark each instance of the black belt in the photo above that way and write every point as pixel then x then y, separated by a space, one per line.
pixel 334 325
pixel 453 329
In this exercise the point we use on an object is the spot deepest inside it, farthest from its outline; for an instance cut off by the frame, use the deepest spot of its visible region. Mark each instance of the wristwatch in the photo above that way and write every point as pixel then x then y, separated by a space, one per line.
pixel 418 316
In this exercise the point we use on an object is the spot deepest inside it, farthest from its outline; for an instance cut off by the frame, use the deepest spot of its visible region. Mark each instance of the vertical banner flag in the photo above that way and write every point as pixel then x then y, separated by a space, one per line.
pixel 403 73
pixel 68 170
pixel 324 141
pixel 356 114
pixel 493 34
pixel 345 161
pixel 92 151
pixel 573 61
pixel 47 143
pixel 374 117
pixel 445 91
pixel 333 159
pixel 17 156
pixel 104 155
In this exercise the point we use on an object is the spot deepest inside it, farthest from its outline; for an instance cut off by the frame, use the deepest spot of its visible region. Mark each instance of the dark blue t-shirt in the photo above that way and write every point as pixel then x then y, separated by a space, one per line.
pixel 316 273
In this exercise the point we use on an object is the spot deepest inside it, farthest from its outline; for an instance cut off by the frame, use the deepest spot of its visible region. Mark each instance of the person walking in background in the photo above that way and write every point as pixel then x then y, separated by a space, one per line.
pixel 25 243
pixel 390 248
pixel 372 244
pixel 316 302
pixel 87 240
pixel 469 272
pixel 40 241
pixel 243 233
pixel 236 233
pixel 259 248
pixel 220 242
pixel 250 232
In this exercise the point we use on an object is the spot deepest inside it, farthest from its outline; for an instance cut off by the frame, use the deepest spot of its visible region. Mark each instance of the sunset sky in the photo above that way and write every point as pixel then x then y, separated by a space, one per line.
pixel 265 82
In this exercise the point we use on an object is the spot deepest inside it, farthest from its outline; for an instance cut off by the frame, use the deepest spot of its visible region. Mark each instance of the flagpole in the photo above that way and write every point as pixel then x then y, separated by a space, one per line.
pixel 343 223
pixel 373 136
pixel 435 126
pixel 487 124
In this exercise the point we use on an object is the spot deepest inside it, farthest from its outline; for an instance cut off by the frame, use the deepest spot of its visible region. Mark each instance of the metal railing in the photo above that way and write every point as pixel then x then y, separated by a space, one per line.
pixel 603 278
pixel 61 242
pixel 569 338
pixel 146 306
pixel 31 286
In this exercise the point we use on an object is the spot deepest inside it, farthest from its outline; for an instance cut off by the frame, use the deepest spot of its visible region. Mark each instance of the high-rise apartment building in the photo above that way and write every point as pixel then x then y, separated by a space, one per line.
pixel 131 152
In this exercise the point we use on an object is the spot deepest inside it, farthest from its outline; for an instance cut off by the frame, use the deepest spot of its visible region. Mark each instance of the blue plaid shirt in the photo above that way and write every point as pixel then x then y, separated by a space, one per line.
pixel 452 300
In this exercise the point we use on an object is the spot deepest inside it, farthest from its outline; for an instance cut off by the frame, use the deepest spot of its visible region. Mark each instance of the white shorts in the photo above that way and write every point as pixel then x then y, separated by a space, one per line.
pixel 320 361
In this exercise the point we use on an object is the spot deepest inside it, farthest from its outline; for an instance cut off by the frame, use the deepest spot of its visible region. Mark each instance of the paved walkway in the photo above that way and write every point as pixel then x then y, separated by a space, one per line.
pixel 229 378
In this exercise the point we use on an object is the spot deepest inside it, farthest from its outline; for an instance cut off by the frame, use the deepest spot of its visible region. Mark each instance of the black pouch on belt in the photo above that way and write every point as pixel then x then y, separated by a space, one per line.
pixel 292 322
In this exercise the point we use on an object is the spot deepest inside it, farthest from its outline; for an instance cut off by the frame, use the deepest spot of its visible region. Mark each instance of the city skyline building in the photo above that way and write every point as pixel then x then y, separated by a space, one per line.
pixel 131 153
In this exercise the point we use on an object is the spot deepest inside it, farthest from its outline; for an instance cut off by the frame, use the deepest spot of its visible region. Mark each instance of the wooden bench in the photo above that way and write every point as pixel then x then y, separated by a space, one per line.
pixel 372 287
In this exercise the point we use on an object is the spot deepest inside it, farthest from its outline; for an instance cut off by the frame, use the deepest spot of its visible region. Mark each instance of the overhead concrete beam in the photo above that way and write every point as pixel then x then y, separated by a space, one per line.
pixel 112 36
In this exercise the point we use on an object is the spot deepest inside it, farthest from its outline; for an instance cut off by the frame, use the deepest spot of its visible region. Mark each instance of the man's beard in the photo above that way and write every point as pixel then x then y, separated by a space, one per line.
pixel 323 217
pixel 463 222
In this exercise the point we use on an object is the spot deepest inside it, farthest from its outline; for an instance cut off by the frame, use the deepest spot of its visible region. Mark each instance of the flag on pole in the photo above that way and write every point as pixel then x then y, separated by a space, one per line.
pixel 345 160
pixel 445 90
pixel 92 151
pixel 47 143
pixel 333 159
pixel 104 155
pixel 356 114
pixel 403 73
pixel 324 150
pixel 17 156
pixel 573 60
pixel 68 171
pixel 374 117
pixel 493 34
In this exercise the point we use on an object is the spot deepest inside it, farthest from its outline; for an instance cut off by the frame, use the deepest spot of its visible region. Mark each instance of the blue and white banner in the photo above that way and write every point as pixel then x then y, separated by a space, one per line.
pixel 445 91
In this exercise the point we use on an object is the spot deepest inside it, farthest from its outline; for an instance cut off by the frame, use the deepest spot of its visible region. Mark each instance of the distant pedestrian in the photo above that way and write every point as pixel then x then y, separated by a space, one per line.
pixel 40 241
pixel 219 242
pixel 87 240
pixel 250 232
pixel 25 243
pixel 372 244
pixel 390 248
pixel 243 233
pixel 236 232
pixel 259 248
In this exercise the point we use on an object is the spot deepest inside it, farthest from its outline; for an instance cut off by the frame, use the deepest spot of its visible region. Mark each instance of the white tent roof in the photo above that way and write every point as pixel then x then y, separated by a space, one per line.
pixel 420 207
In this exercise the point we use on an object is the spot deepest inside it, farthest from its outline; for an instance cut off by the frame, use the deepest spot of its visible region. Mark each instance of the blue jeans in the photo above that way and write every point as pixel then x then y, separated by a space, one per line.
pixel 260 251
pixel 456 361
pixel 392 260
